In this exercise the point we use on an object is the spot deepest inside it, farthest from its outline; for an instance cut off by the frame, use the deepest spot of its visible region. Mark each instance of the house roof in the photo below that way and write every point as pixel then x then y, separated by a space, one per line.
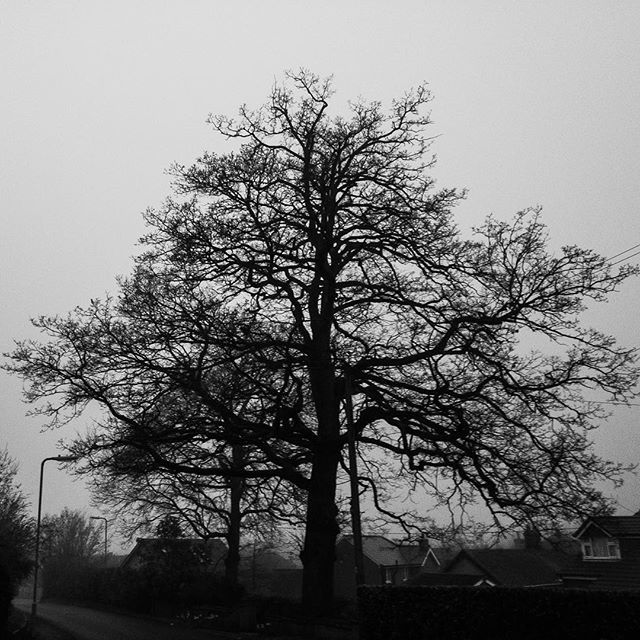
pixel 516 567
pixel 443 556
pixel 148 548
pixel 386 553
pixel 613 526
pixel 267 560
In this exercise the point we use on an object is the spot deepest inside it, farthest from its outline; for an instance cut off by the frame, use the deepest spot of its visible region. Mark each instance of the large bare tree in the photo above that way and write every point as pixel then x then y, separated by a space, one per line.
pixel 319 258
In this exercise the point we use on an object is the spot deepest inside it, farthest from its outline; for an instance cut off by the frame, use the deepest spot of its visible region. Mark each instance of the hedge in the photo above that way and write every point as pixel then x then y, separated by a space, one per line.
pixel 141 590
pixel 6 594
pixel 497 613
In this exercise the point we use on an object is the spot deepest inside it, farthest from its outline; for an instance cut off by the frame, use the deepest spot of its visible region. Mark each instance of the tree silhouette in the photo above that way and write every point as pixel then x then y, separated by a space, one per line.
pixel 320 250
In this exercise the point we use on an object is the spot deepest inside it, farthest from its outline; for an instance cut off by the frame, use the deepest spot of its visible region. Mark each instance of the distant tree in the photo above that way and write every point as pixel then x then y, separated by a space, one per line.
pixel 317 261
pixel 71 535
pixel 169 527
pixel 70 543
pixel 178 504
pixel 16 534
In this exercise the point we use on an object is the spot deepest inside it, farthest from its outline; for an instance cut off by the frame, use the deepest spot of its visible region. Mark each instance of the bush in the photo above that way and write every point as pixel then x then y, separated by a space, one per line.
pixel 499 613
pixel 144 590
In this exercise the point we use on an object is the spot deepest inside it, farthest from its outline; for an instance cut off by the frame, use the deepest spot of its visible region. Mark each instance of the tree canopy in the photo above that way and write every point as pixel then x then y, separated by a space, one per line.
pixel 317 257
pixel 70 535
pixel 16 527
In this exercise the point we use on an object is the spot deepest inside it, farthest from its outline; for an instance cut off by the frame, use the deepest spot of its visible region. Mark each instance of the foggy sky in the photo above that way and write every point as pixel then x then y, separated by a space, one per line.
pixel 534 103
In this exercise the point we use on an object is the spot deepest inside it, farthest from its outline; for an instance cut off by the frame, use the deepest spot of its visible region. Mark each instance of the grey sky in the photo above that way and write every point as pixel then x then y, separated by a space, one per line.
pixel 534 103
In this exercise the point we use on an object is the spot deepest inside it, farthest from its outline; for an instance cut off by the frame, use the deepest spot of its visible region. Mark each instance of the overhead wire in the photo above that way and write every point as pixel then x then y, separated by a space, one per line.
pixel 608 261
pixel 635 246
pixel 612 264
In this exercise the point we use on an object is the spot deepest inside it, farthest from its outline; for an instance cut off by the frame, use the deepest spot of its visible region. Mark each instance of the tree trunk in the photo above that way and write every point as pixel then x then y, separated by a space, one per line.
pixel 232 561
pixel 322 529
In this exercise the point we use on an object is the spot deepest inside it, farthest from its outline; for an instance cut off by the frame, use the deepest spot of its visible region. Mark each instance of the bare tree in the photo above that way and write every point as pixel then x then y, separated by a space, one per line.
pixel 16 532
pixel 319 251
pixel 207 507
pixel 70 535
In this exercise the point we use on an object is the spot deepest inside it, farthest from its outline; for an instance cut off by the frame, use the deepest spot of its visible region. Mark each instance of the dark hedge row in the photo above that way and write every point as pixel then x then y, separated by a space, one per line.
pixel 143 590
pixel 6 593
pixel 497 613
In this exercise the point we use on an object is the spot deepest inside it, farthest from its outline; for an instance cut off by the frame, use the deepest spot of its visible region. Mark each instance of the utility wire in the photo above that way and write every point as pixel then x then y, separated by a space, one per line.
pixel 624 404
pixel 612 264
pixel 609 263
pixel 623 252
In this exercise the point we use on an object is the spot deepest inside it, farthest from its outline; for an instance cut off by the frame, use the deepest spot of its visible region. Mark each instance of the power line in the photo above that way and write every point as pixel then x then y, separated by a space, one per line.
pixel 611 264
pixel 623 252
pixel 624 404
pixel 614 402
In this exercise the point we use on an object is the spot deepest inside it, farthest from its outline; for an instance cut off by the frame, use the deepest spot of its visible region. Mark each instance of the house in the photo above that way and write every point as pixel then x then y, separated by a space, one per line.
pixel 610 554
pixel 178 552
pixel 508 567
pixel 261 570
pixel 385 562
pixel 437 558
pixel 529 564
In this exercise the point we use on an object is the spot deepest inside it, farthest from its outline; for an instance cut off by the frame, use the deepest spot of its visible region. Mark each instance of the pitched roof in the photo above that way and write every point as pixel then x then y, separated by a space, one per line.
pixel 516 567
pixel 614 526
pixel 437 558
pixel 267 560
pixel 386 553
pixel 150 548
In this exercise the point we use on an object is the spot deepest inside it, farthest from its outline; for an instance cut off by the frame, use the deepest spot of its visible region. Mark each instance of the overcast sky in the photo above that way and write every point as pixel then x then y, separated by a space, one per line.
pixel 534 103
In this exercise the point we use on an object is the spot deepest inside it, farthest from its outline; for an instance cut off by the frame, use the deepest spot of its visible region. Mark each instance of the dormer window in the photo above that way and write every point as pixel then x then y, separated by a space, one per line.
pixel 600 549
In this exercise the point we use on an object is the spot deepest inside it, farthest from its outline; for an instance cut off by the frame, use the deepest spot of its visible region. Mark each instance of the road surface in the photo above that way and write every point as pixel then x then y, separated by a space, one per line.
pixel 92 624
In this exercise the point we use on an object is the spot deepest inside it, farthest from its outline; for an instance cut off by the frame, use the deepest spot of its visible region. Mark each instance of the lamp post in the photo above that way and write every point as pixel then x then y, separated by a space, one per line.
pixel 105 534
pixel 34 603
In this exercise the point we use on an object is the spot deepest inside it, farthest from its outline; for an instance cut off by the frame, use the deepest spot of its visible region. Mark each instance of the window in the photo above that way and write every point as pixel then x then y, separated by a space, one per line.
pixel 600 549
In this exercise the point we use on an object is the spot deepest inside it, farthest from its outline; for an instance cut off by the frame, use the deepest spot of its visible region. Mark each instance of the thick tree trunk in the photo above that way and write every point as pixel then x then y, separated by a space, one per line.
pixel 322 528
pixel 232 561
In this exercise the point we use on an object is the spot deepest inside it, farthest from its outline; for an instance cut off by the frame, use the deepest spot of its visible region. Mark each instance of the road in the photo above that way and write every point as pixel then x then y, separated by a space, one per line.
pixel 92 624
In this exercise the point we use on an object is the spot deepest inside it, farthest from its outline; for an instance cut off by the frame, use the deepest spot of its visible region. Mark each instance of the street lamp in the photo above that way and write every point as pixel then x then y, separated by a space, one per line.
pixel 34 603
pixel 105 534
